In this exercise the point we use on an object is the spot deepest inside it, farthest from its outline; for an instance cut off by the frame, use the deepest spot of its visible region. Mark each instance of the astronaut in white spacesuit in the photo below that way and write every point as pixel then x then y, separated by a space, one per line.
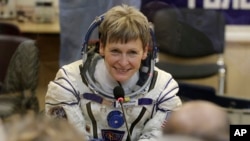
pixel 83 91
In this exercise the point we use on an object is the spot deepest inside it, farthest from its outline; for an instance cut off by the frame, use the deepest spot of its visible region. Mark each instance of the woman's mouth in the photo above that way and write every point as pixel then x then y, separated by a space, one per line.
pixel 122 70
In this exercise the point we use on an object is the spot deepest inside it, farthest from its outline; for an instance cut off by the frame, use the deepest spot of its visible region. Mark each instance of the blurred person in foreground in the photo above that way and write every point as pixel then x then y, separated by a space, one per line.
pixel 84 92
pixel 2 132
pixel 201 119
pixel 32 127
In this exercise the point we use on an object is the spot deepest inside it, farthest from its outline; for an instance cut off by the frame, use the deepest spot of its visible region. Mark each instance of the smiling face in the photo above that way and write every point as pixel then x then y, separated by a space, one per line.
pixel 123 60
pixel 124 40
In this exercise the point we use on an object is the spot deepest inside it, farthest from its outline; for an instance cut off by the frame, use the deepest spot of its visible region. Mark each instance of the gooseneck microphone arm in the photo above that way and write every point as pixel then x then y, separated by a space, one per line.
pixel 119 96
pixel 124 117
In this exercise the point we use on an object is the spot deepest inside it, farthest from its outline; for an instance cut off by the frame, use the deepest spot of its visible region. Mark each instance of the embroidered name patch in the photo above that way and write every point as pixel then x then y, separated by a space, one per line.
pixel 112 135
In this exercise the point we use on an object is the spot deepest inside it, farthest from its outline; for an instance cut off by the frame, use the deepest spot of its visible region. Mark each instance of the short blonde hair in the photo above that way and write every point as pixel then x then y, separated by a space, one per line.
pixel 124 23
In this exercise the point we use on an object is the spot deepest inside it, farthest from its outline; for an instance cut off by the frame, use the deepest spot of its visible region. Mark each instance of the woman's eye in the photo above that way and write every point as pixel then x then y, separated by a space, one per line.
pixel 133 53
pixel 114 51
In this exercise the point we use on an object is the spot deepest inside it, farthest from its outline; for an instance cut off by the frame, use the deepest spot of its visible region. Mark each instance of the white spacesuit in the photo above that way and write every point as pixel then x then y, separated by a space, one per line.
pixel 100 116
pixel 83 93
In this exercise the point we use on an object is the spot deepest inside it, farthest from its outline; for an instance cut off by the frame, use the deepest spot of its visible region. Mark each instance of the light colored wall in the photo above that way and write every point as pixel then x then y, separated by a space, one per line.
pixel 238 60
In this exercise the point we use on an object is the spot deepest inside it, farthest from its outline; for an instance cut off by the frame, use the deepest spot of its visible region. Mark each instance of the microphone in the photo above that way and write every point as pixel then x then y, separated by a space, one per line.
pixel 119 93
pixel 119 96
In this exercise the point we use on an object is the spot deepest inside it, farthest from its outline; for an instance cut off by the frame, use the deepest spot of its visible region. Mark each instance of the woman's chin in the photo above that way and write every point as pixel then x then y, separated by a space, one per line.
pixel 121 79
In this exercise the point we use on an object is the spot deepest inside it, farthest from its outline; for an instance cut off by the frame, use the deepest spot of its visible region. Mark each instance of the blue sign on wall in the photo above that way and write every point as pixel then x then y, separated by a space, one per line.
pixel 236 11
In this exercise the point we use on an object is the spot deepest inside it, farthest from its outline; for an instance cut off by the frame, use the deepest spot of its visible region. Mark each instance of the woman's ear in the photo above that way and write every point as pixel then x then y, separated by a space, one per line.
pixel 101 49
pixel 145 53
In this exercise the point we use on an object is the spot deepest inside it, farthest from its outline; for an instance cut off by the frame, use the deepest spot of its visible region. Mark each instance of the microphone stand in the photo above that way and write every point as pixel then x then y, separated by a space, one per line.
pixel 124 117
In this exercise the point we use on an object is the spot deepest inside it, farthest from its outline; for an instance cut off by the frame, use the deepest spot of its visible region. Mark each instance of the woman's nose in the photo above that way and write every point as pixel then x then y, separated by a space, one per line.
pixel 123 60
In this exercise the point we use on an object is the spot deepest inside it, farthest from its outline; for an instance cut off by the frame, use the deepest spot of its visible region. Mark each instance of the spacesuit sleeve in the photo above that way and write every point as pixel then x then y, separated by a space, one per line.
pixel 62 101
pixel 166 102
